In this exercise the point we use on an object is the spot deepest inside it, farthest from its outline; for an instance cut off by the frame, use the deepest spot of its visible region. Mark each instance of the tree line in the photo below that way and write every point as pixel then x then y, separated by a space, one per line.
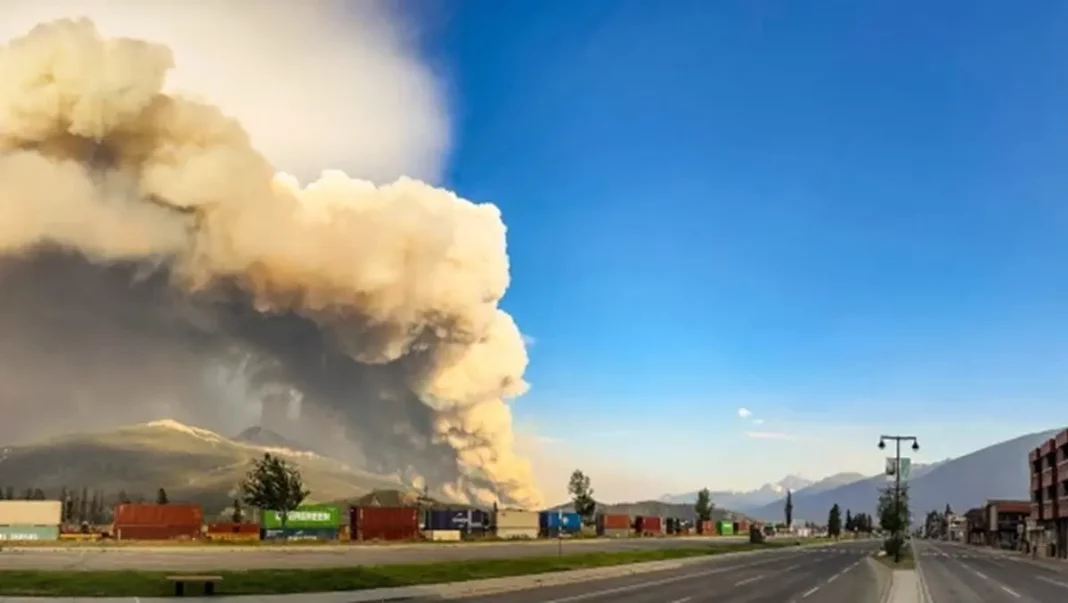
pixel 271 483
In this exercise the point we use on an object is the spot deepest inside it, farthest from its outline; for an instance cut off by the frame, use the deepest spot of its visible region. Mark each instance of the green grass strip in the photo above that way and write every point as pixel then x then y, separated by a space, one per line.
pixel 261 582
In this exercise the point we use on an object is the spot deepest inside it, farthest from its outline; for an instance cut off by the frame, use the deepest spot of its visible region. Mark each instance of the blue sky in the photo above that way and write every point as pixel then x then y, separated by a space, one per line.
pixel 847 217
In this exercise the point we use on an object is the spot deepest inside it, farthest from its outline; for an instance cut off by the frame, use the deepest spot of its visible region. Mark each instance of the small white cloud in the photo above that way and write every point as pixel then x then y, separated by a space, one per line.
pixel 768 435
pixel 744 413
pixel 758 421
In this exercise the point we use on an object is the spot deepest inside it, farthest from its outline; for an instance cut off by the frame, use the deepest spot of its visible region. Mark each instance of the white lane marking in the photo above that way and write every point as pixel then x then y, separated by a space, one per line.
pixel 833 578
pixel 1053 582
pixel 980 574
pixel 1010 591
pixel 652 583
pixel 792 567
pixel 810 592
pixel 682 600
pixel 748 580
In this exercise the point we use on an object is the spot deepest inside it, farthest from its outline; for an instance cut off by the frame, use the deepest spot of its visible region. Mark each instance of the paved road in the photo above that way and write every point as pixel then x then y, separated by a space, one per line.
pixel 956 573
pixel 833 574
pixel 213 558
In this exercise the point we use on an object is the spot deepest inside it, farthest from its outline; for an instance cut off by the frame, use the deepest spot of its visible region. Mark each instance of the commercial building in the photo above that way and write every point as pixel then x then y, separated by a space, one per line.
pixel 976 522
pixel 1006 523
pixel 1049 496
pixel 956 528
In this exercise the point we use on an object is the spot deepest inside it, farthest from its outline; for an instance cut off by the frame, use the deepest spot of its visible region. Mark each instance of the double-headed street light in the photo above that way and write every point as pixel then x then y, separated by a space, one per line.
pixel 897 482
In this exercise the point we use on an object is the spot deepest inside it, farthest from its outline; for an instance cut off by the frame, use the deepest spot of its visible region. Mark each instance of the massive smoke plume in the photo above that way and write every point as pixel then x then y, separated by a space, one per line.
pixel 145 243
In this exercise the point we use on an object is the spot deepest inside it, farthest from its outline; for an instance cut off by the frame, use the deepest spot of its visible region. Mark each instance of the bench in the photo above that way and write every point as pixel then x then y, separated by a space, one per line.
pixel 180 581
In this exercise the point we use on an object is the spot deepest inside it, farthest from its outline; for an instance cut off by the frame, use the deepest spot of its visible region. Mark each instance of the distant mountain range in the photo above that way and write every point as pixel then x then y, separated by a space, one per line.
pixel 995 472
pixel 745 499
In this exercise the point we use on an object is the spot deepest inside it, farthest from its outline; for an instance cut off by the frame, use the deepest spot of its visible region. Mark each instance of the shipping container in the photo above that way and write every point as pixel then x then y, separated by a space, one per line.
pixel 616 533
pixel 706 527
pixel 649 524
pixel 608 521
pixel 384 523
pixel 233 528
pixel 443 535
pixel 25 533
pixel 456 519
pixel 517 533
pixel 725 528
pixel 292 534
pixel 741 527
pixel 304 516
pixel 30 512
pixel 136 532
pixel 554 522
pixel 234 536
pixel 150 514
pixel 516 519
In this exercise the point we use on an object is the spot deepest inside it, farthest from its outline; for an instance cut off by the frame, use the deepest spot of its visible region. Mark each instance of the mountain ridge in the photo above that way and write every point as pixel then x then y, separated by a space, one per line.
pixel 998 471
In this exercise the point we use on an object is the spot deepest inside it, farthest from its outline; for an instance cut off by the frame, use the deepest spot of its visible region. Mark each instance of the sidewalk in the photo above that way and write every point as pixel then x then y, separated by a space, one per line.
pixel 454 590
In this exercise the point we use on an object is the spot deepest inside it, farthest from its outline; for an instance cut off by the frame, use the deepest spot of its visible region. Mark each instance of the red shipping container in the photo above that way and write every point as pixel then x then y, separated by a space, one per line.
pixel 616 522
pixel 156 532
pixel 741 527
pixel 233 528
pixel 384 523
pixel 145 514
pixel 706 527
pixel 650 524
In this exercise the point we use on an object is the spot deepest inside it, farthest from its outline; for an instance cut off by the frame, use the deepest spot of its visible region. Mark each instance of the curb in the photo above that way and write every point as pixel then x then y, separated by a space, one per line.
pixel 924 594
pixel 885 575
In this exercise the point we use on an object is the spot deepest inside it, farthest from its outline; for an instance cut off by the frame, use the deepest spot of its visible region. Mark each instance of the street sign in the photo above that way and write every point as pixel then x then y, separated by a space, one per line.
pixel 893 469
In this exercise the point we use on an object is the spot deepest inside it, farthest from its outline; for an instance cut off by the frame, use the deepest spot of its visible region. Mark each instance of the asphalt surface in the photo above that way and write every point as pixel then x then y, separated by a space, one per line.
pixel 956 573
pixel 215 558
pixel 836 573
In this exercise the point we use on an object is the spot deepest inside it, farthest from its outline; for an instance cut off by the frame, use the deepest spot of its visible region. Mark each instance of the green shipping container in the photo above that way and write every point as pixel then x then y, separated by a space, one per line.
pixel 306 516
pixel 23 533
pixel 725 528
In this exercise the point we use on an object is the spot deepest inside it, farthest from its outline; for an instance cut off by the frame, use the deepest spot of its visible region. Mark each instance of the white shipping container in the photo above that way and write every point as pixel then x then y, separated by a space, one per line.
pixel 517 533
pixel 516 519
pixel 30 512
pixel 443 535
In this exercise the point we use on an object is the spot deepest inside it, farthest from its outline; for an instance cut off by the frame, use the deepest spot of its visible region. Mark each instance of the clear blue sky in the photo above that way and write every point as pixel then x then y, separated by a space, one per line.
pixel 848 217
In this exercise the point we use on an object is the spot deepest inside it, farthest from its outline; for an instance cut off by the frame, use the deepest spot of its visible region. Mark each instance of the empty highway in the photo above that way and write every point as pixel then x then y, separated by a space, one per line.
pixel 835 573
pixel 956 573
pixel 190 558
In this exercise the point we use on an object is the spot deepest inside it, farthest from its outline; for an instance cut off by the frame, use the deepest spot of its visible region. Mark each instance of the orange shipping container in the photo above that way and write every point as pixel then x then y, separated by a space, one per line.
pixel 615 522
pixel 233 528
pixel 156 532
pixel 159 515
pixel 384 523
pixel 706 527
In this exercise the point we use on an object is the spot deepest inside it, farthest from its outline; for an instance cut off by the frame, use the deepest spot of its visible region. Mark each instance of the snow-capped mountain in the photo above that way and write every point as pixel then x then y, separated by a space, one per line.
pixel 739 500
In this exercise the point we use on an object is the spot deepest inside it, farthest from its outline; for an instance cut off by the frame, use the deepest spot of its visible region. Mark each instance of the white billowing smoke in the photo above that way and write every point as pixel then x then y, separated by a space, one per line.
pixel 143 238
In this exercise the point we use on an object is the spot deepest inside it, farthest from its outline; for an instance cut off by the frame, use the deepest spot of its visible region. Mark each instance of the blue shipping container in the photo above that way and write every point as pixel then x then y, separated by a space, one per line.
pixel 553 521
pixel 463 520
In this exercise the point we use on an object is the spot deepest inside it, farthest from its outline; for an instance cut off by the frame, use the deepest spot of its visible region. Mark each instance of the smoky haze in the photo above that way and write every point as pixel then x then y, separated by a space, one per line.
pixel 146 248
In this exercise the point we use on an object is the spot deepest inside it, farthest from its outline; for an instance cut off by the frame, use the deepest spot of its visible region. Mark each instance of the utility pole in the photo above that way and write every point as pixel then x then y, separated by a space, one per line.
pixel 897 482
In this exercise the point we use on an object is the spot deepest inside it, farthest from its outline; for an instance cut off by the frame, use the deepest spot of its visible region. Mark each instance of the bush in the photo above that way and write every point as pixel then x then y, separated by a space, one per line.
pixel 893 545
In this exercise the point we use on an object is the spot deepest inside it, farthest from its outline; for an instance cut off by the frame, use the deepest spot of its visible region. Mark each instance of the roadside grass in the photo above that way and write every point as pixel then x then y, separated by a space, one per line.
pixel 261 582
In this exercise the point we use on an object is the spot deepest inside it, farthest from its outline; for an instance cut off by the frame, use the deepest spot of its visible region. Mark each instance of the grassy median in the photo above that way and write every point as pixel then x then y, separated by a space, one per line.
pixel 150 584
pixel 906 562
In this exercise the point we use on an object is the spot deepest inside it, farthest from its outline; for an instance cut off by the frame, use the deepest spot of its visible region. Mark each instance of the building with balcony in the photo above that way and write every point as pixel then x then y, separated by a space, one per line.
pixel 1049 496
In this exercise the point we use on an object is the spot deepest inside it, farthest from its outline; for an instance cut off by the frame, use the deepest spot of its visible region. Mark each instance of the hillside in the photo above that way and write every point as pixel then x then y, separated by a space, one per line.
pixel 998 471
pixel 192 464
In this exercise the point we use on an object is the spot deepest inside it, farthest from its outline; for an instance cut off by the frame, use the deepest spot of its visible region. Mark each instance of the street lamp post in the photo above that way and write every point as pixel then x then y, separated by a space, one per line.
pixel 897 481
